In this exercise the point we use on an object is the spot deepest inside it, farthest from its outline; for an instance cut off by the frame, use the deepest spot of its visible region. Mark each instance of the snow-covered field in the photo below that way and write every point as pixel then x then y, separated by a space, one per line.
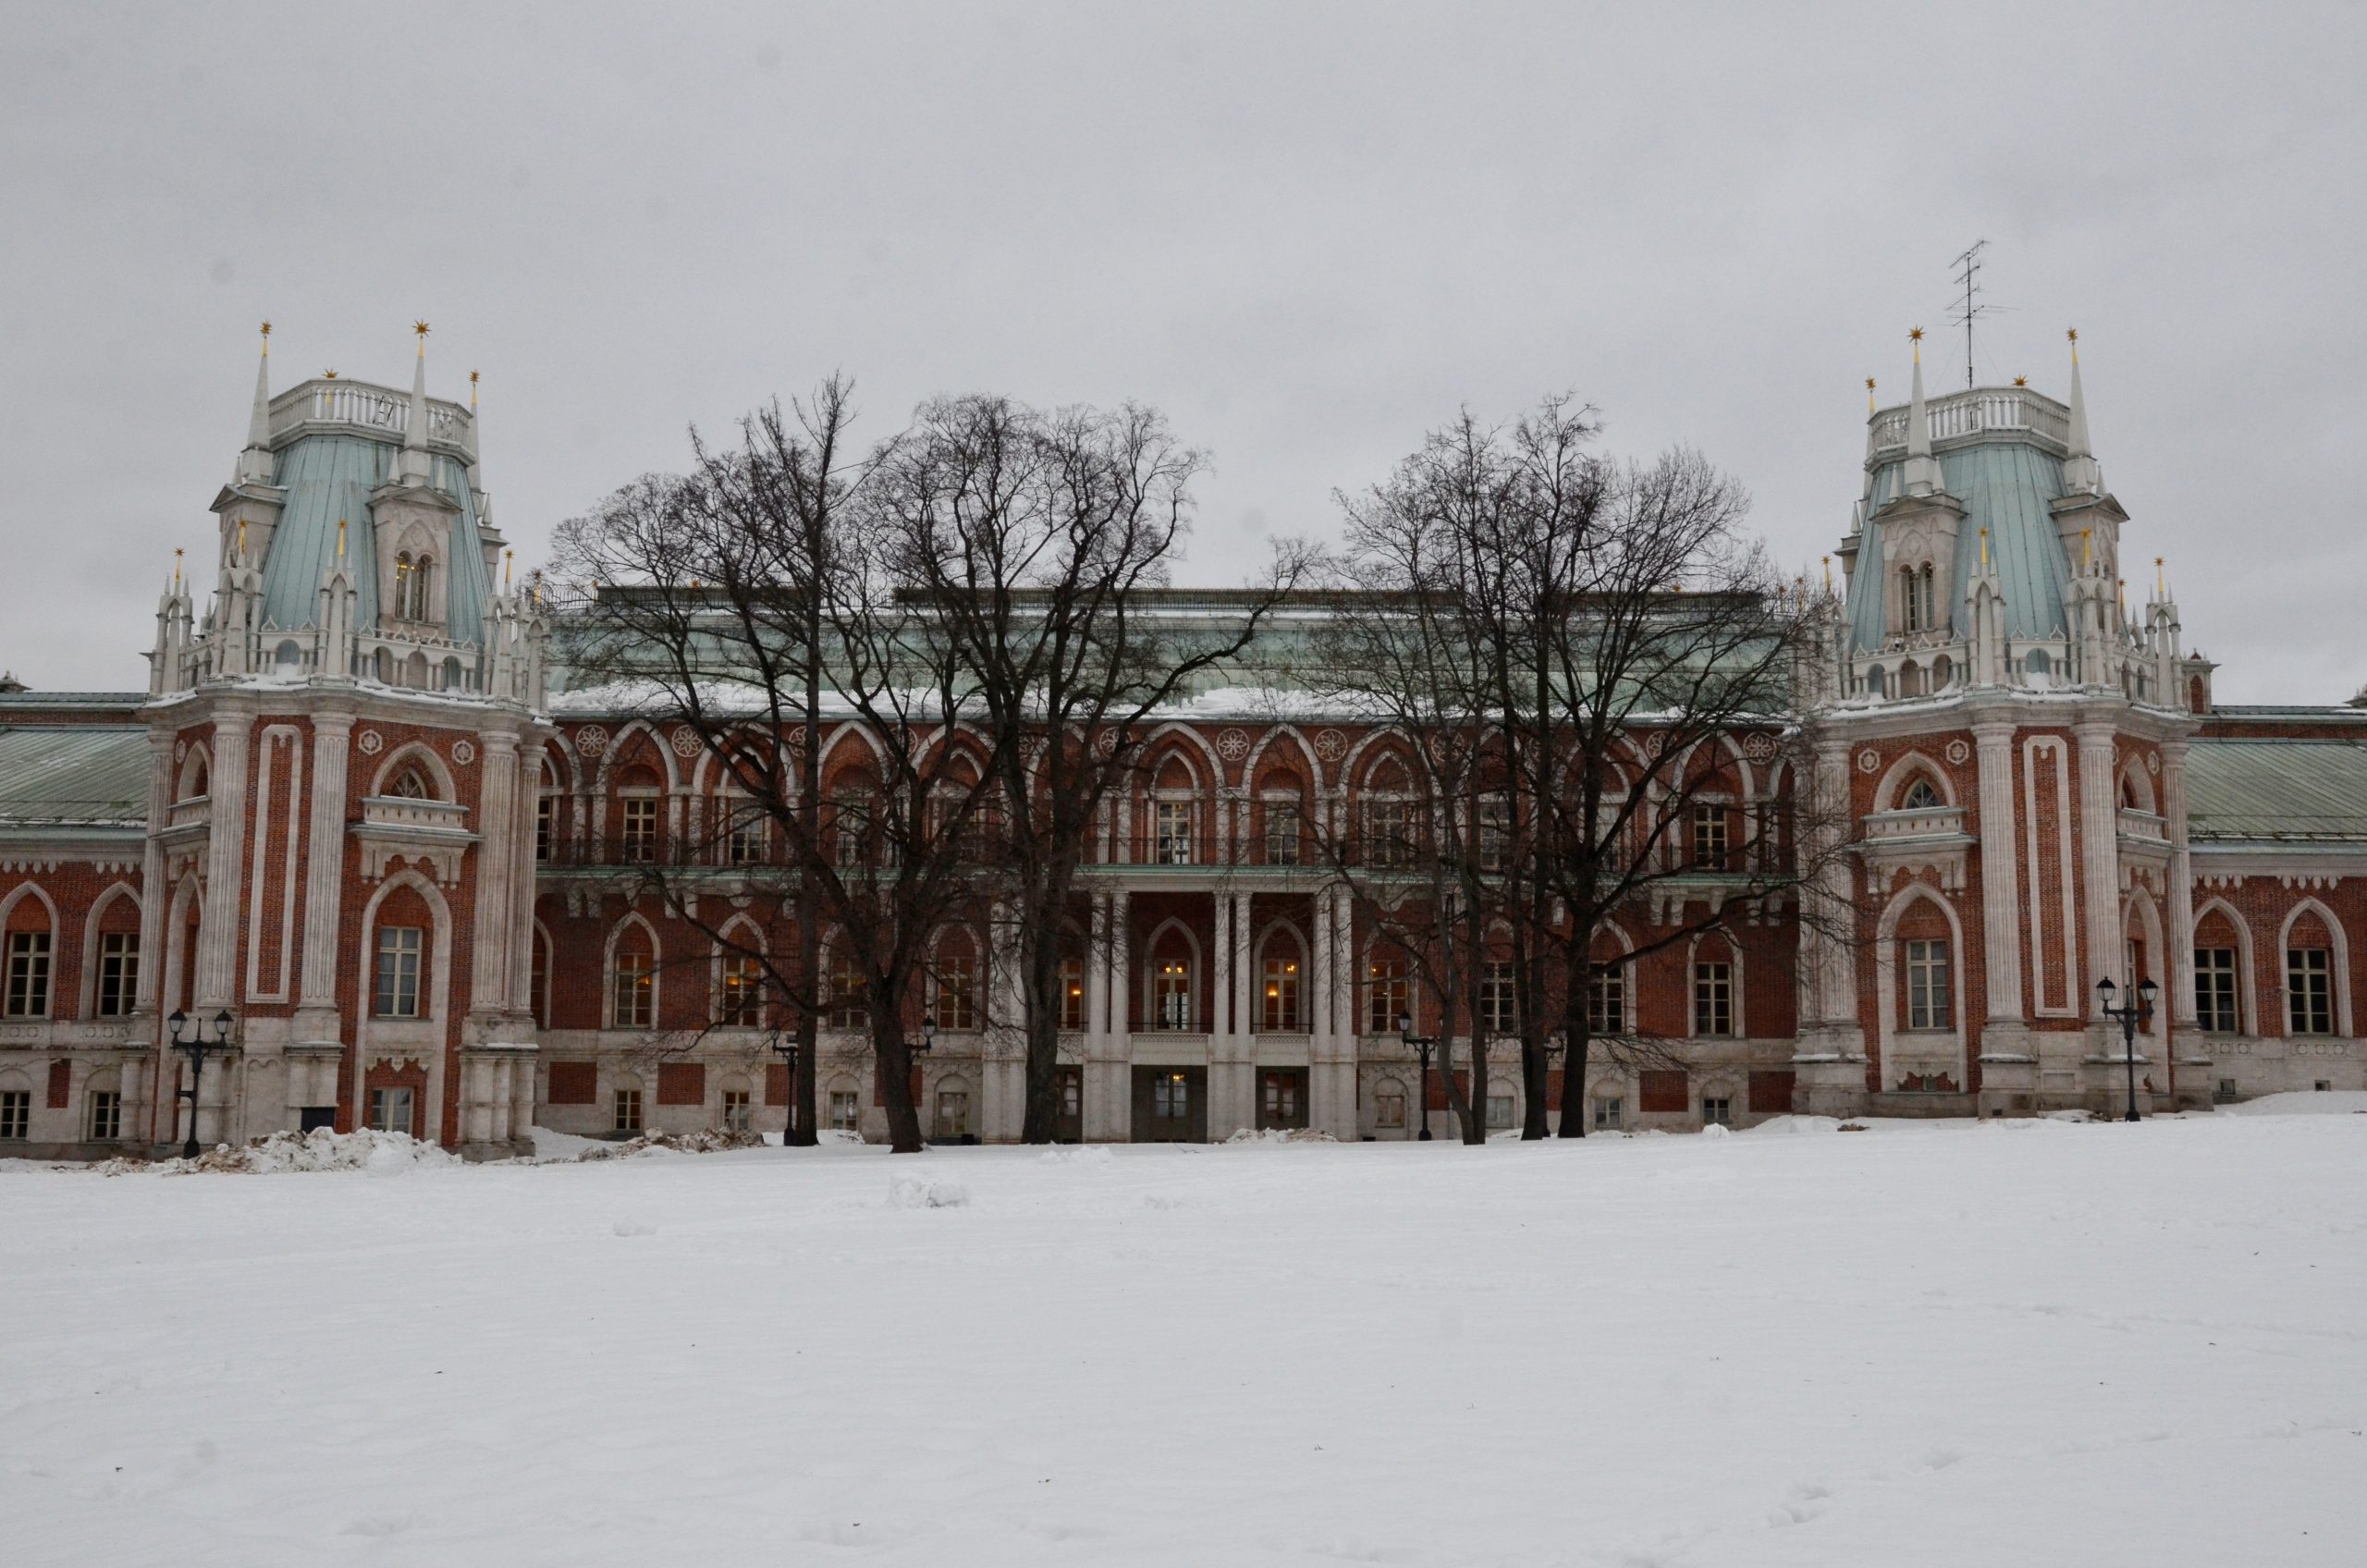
pixel 2026 1343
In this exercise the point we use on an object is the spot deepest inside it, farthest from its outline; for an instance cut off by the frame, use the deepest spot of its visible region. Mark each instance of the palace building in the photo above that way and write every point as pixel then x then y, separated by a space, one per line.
pixel 359 832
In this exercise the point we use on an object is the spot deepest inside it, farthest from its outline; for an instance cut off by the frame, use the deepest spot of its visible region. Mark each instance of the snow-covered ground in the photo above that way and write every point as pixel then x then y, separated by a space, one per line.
pixel 2025 1343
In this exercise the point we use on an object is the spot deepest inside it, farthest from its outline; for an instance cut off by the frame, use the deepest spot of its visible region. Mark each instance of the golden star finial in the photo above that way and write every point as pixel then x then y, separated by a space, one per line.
pixel 419 327
pixel 1915 334
pixel 1869 384
pixel 266 329
pixel 2073 334
pixel 329 374
pixel 2021 381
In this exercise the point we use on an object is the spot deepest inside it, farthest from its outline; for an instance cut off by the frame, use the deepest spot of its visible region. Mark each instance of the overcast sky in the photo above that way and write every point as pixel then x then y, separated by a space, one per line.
pixel 1306 232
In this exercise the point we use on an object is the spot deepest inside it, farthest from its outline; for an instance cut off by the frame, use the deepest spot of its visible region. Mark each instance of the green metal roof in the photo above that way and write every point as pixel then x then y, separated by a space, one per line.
pixel 2006 486
pixel 2313 791
pixel 328 479
pixel 73 773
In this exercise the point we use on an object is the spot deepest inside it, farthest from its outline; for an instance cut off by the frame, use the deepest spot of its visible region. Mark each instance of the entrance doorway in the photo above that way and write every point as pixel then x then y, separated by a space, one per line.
pixel 1068 1104
pixel 1171 1105
pixel 1281 1097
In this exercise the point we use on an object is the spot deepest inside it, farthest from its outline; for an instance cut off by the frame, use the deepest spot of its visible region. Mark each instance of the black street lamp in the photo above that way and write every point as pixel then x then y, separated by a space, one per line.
pixel 197 1045
pixel 2140 1012
pixel 1421 1046
pixel 785 1047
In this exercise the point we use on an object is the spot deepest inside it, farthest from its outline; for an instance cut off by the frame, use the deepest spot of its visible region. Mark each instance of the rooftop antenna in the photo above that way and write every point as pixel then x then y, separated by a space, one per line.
pixel 1968 281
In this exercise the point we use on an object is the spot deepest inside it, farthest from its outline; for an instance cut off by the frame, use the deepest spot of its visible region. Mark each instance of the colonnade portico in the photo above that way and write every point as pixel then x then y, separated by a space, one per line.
pixel 1217 927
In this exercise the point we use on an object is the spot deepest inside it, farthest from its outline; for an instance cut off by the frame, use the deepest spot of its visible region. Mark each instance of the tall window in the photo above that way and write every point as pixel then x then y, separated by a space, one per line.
pixel 1281 832
pixel 737 1115
pixel 1386 995
pixel 28 975
pixel 957 991
pixel 1172 833
pixel 1172 994
pixel 2215 991
pixel 1929 993
pixel 400 948
pixel 1714 998
pixel 1916 589
pixel 118 989
pixel 639 840
pixel 1072 993
pixel 105 1120
pixel 1281 995
pixel 15 1114
pixel 744 992
pixel 1606 998
pixel 1497 1013
pixel 1711 838
pixel 545 825
pixel 744 834
pixel 1389 835
pixel 625 1117
pixel 953 1113
pixel 635 989
pixel 1495 832
pixel 2309 990
pixel 850 823
pixel 849 1007
pixel 846 1112
pixel 390 1110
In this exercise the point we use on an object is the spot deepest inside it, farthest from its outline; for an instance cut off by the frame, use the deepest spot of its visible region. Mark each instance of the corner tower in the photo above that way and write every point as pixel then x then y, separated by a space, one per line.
pixel 2007 741
pixel 346 752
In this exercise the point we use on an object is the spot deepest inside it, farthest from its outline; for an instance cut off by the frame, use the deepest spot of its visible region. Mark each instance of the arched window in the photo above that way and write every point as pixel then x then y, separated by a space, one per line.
pixel 419 579
pixel 957 981
pixel 411 785
pixel 1910 602
pixel 1173 991
pixel 2039 667
pixel 403 569
pixel 1941 672
pixel 1911 680
pixel 632 980
pixel 1874 680
pixel 1931 616
pixel 28 959
pixel 289 658
pixel 1921 796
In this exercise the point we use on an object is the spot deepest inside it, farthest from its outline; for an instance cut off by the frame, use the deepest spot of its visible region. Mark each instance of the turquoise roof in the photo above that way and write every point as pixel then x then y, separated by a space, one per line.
pixel 77 774
pixel 2006 486
pixel 330 477
pixel 2278 791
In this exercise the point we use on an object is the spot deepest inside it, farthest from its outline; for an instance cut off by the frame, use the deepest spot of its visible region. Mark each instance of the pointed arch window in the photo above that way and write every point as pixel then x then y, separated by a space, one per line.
pixel 1921 796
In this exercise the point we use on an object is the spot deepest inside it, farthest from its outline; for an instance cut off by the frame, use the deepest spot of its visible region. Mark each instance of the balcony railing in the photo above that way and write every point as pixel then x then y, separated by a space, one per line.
pixel 2144 824
pixel 1926 822
pixel 358 406
pixel 1989 411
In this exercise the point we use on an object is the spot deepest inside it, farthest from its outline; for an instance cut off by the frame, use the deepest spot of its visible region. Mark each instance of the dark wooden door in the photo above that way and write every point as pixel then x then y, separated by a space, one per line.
pixel 1281 1097
pixel 1171 1105
pixel 1068 1102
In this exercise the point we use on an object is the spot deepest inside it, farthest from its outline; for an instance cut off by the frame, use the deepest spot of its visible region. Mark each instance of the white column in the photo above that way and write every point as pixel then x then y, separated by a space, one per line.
pixel 2181 936
pixel 1344 1016
pixel 217 949
pixel 497 840
pixel 2100 857
pixel 1243 981
pixel 1117 1077
pixel 2001 902
pixel 324 878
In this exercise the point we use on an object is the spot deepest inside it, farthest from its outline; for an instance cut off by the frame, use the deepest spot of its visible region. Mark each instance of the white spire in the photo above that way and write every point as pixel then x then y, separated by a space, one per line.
pixel 1922 469
pixel 254 463
pixel 412 466
pixel 2081 471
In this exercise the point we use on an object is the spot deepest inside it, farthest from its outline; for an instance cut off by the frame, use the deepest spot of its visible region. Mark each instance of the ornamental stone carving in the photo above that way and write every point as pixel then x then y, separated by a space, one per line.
pixel 369 743
pixel 464 753
pixel 592 740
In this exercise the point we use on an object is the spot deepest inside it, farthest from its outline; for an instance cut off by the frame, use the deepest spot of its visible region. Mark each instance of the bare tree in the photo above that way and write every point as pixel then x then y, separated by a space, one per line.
pixel 1039 542
pixel 755 602
pixel 1593 643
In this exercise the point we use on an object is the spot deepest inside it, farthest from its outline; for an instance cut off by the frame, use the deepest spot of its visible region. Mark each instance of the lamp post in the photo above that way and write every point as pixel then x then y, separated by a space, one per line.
pixel 197 1045
pixel 785 1047
pixel 2137 1013
pixel 1421 1046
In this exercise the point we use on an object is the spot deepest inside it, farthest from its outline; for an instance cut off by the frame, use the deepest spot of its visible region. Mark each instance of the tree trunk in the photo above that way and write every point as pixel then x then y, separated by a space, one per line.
pixel 1042 963
pixel 1574 1064
pixel 893 1062
pixel 1534 1122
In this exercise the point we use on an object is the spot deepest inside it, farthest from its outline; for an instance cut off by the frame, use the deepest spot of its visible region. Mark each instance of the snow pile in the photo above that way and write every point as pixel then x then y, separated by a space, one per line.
pixel 2303 1102
pixel 1283 1135
pixel 1714 1130
pixel 709 1140
pixel 381 1153
pixel 925 1190
pixel 1076 1154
